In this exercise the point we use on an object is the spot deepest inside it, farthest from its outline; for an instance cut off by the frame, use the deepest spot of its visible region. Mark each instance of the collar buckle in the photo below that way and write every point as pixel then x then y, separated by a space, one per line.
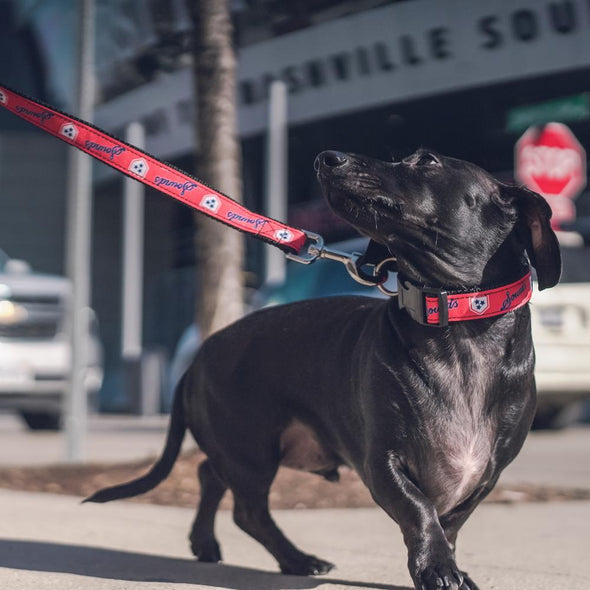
pixel 413 300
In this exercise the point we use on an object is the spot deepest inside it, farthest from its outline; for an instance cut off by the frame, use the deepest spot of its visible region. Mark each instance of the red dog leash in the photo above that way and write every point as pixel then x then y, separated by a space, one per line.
pixel 152 172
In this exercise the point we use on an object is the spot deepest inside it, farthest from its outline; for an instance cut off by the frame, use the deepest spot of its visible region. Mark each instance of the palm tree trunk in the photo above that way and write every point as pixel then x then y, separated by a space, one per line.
pixel 220 250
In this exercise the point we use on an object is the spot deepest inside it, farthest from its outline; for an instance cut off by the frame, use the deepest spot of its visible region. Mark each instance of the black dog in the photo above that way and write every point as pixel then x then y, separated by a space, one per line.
pixel 428 416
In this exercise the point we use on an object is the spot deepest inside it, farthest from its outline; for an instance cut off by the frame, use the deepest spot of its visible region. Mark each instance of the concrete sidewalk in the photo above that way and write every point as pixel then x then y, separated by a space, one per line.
pixel 53 543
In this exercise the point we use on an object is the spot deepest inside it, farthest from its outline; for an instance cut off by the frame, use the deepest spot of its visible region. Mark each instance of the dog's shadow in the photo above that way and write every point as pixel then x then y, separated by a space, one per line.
pixel 140 567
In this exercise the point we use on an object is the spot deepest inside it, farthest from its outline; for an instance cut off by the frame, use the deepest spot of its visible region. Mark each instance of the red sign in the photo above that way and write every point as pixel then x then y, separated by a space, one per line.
pixel 551 161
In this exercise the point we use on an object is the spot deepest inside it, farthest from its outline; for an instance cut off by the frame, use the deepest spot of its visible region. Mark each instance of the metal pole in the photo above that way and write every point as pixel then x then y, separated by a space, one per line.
pixel 276 174
pixel 79 223
pixel 132 303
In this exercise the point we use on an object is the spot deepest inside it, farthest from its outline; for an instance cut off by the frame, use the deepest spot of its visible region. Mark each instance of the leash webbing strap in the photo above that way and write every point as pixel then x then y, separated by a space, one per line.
pixel 152 172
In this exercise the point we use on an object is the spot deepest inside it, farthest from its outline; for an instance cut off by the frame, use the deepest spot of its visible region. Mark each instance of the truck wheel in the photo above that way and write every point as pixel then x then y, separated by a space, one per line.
pixel 42 420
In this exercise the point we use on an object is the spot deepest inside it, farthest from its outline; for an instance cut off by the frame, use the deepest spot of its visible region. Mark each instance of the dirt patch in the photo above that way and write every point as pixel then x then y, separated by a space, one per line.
pixel 291 489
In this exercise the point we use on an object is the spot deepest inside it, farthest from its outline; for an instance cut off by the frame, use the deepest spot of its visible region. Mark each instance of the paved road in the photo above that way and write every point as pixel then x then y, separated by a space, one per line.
pixel 550 458
pixel 54 543
pixel 559 458
pixel 111 438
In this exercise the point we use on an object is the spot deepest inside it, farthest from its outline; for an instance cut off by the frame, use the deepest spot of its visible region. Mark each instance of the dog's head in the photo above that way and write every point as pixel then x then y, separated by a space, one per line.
pixel 447 221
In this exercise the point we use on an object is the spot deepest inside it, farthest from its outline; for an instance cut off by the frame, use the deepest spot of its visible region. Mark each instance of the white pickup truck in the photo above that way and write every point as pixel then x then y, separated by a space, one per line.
pixel 561 331
pixel 34 349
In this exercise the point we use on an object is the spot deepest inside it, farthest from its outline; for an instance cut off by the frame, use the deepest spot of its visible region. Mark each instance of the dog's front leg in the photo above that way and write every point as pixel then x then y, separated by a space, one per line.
pixel 430 556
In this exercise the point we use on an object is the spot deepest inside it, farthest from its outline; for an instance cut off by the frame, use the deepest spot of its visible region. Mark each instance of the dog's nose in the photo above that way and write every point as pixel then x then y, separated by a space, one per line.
pixel 331 159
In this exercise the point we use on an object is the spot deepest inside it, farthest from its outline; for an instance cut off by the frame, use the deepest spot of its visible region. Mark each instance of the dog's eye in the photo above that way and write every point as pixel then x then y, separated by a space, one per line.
pixel 426 159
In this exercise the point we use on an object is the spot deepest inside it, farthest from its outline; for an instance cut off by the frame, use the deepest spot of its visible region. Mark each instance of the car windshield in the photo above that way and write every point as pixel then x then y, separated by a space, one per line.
pixel 4 258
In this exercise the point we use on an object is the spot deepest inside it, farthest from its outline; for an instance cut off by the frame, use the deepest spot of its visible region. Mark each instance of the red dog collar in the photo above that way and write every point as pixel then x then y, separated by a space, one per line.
pixel 436 307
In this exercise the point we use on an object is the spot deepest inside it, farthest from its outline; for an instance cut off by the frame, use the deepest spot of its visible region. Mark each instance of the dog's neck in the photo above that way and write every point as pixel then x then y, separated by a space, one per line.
pixel 464 291
pixel 465 272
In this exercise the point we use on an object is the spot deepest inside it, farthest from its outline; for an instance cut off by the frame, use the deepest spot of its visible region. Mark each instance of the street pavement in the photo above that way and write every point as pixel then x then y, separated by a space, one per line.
pixel 50 542
pixel 559 458
pixel 111 438
pixel 54 543
pixel 553 458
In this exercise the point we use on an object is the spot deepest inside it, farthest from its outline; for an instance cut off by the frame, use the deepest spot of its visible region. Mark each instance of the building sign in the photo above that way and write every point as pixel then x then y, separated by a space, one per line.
pixel 412 49
pixel 377 57
pixel 551 161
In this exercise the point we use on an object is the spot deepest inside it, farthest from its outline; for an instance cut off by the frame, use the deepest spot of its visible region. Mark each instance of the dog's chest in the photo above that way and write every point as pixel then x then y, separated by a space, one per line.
pixel 459 431
pixel 458 461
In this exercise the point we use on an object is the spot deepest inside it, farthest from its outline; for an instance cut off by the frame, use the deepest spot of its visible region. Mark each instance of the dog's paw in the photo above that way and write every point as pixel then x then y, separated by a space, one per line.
pixel 306 565
pixel 468 583
pixel 206 551
pixel 441 575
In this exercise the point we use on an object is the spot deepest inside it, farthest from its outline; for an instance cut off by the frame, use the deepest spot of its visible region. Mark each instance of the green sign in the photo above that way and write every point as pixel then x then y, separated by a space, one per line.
pixel 569 108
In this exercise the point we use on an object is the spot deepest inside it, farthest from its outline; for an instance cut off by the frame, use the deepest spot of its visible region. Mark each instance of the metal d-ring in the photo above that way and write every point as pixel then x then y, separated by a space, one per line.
pixel 382 270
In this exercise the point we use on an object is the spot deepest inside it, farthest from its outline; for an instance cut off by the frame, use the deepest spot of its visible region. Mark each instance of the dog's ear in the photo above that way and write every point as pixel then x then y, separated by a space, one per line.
pixel 540 240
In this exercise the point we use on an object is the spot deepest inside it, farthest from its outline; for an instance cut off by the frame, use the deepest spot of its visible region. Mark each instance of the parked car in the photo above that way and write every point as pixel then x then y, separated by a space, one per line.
pixel 35 354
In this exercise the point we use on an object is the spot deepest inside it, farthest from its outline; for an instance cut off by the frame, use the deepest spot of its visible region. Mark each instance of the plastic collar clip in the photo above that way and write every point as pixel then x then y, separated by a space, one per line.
pixel 413 300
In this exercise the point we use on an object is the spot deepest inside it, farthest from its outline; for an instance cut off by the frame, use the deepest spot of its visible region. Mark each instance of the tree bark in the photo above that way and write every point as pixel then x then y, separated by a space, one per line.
pixel 220 250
